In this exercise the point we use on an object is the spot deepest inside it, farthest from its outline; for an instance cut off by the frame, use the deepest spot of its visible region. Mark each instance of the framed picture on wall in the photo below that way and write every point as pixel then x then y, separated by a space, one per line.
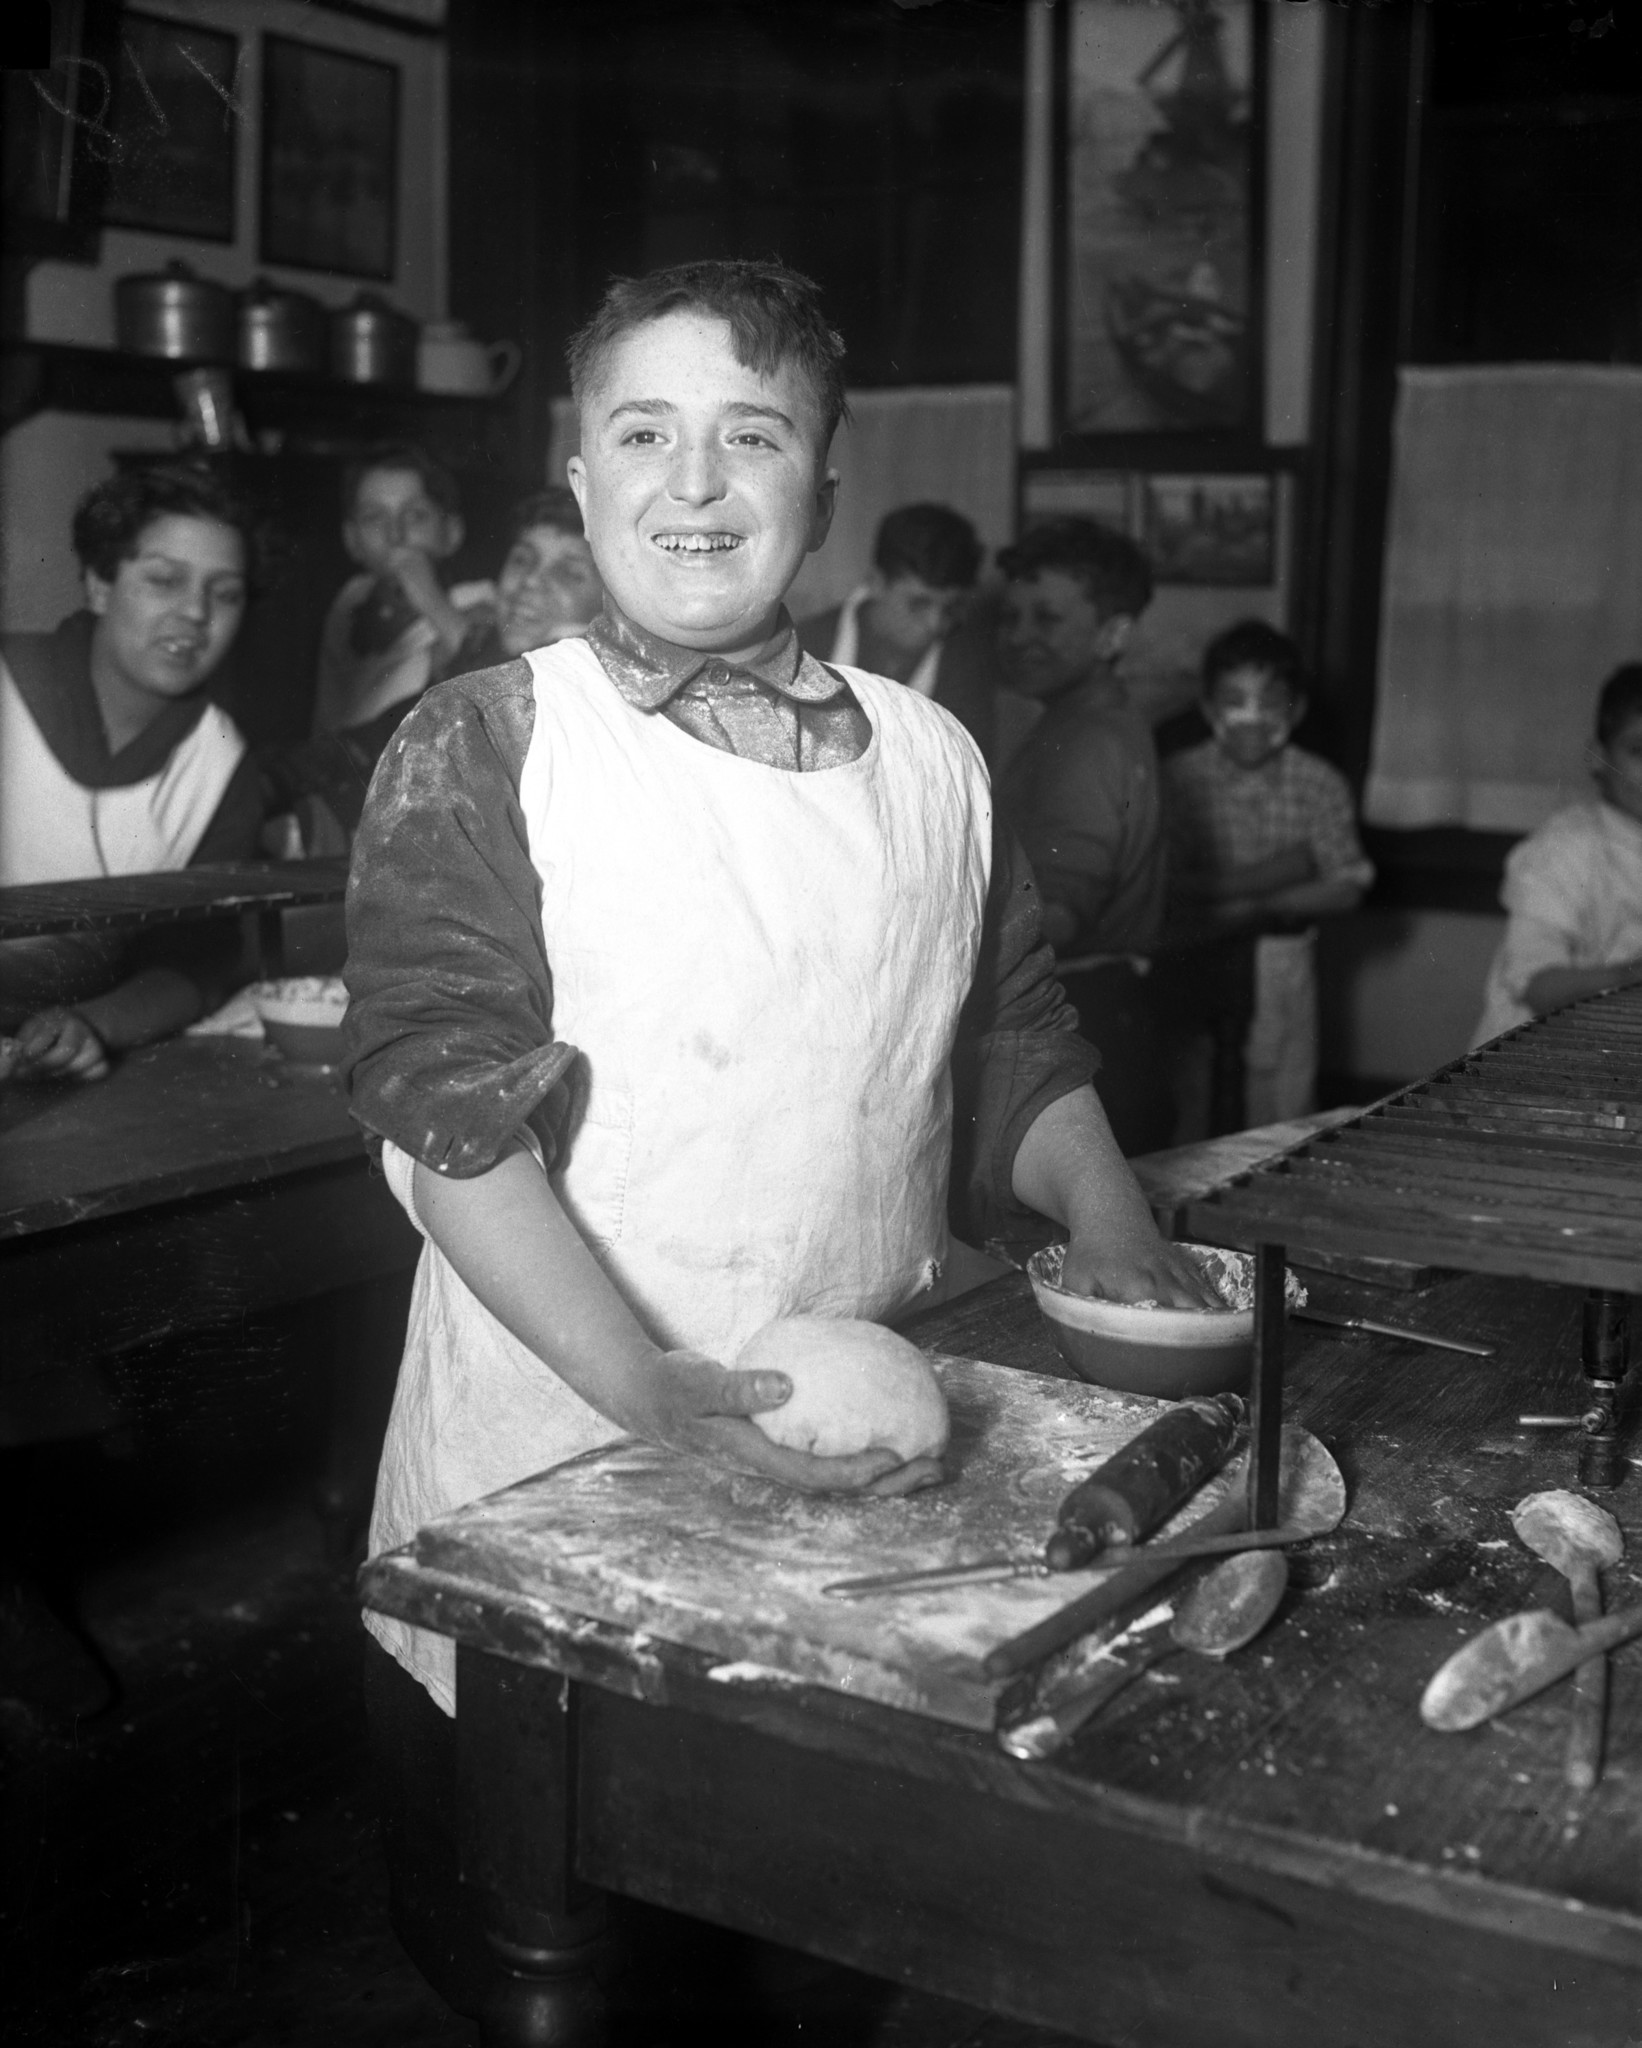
pixel 1214 530
pixel 174 117
pixel 1159 220
pixel 330 159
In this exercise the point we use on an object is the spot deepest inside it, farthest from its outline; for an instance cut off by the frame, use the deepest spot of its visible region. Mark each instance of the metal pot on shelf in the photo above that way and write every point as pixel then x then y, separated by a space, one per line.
pixel 373 343
pixel 280 329
pixel 173 313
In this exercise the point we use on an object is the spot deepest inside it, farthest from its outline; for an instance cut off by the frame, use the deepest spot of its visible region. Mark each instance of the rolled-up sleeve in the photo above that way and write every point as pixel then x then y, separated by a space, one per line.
pixel 449 1024
pixel 1018 1048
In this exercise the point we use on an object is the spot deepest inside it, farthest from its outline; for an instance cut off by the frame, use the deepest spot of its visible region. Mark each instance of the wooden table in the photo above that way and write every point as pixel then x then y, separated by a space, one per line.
pixel 204 1180
pixel 1272 1852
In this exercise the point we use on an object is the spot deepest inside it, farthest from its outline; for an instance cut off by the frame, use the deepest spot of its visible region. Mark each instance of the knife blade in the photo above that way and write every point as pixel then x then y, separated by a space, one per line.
pixel 1121 1561
pixel 1338 1322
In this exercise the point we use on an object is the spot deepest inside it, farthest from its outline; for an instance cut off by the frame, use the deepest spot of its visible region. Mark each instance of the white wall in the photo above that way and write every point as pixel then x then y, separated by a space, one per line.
pixel 48 461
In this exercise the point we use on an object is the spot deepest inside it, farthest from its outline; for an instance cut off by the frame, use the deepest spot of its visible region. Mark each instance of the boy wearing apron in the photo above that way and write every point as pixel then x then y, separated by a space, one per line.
pixel 663 948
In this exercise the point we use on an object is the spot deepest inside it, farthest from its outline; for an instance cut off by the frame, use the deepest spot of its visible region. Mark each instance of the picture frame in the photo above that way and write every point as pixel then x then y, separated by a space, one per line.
pixel 1159 231
pixel 330 159
pixel 174 119
pixel 1216 529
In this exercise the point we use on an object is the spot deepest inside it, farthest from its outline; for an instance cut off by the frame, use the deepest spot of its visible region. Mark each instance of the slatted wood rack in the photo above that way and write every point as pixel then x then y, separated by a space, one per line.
pixel 1522 1158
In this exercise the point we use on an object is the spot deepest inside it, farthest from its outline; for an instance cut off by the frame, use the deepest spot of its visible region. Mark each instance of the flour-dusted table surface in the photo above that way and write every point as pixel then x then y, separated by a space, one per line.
pixel 1269 1853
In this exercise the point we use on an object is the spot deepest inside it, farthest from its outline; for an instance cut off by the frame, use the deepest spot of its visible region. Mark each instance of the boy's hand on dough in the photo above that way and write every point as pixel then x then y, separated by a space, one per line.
pixel 60 1045
pixel 701 1408
pixel 1154 1270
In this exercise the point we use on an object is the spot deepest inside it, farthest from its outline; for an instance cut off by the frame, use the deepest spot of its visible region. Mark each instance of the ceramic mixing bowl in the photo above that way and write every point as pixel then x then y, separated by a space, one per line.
pixel 302 1017
pixel 1167 1352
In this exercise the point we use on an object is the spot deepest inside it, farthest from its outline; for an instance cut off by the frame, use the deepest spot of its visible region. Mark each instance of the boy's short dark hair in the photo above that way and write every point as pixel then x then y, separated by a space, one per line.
pixel 112 515
pixel 404 458
pixel 1116 576
pixel 1618 702
pixel 555 507
pixel 1254 643
pixel 773 313
pixel 931 542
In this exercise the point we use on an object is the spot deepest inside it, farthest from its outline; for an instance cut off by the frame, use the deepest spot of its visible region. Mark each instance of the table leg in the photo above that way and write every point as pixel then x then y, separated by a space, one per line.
pixel 516 1770
pixel 1266 1405
pixel 1605 1354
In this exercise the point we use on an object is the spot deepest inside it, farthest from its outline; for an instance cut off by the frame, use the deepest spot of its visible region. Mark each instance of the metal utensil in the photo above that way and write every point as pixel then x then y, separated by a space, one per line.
pixel 1312 1496
pixel 1338 1322
pixel 936 1578
pixel 1515 1659
pixel 1577 1538
pixel 1121 1501
pixel 1227 1608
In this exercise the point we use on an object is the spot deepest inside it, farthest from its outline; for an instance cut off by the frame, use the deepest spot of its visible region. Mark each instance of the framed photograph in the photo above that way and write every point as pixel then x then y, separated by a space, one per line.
pixel 175 129
pixel 330 159
pixel 1160 219
pixel 1214 530
pixel 1111 496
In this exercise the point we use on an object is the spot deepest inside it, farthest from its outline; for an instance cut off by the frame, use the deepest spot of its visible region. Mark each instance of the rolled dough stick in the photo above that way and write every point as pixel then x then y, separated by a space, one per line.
pixel 855 1386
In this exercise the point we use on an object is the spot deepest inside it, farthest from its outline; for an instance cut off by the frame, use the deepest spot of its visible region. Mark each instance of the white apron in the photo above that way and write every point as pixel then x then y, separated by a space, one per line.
pixel 763 972
pixel 54 829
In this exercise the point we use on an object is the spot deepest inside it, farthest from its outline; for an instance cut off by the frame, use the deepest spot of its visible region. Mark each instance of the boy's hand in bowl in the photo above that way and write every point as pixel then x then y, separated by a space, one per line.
pixel 1140 1271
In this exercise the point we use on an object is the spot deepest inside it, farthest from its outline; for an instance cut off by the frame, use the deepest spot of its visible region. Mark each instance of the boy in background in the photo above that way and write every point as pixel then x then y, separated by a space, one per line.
pixel 1082 795
pixel 907 621
pixel 1262 832
pixel 393 629
pixel 1574 888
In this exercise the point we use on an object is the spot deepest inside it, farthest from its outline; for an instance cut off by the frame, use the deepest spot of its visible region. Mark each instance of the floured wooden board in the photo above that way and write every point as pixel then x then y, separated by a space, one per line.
pixel 733 1566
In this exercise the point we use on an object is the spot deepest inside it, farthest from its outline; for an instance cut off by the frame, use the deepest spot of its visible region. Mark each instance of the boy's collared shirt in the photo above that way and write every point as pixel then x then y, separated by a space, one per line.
pixel 1222 816
pixel 451 984
pixel 783 709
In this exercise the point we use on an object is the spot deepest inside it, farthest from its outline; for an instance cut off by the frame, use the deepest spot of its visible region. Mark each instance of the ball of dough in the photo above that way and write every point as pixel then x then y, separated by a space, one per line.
pixel 855 1386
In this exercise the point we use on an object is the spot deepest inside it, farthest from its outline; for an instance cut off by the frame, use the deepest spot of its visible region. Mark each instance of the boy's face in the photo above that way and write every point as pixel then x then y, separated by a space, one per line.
pixel 173 607
pixel 1052 634
pixel 703 484
pixel 1619 769
pixel 1252 712
pixel 392 511
pixel 910 615
pixel 548 589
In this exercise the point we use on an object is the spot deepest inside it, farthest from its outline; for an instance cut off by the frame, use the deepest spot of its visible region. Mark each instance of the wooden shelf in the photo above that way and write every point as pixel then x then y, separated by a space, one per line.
pixel 41 376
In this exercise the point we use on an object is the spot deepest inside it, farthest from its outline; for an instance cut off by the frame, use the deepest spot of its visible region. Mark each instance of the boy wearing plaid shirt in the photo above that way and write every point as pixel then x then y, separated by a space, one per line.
pixel 1262 832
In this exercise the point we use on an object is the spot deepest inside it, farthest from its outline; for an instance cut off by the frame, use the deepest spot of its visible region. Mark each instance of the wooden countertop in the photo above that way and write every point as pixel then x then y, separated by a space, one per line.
pixel 184 1118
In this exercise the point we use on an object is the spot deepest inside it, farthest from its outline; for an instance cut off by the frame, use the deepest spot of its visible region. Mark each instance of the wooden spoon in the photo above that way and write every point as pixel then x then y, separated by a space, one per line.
pixel 1512 1661
pixel 1227 1608
pixel 1577 1538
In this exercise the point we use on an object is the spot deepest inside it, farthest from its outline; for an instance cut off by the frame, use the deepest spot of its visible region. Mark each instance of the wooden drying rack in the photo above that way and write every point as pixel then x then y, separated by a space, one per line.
pixel 1523 1158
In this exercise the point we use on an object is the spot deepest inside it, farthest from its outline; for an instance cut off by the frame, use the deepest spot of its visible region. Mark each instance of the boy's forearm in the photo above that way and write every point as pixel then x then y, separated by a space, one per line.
pixel 1253 879
pixel 512 1244
pixel 1069 1168
pixel 151 1004
pixel 1551 987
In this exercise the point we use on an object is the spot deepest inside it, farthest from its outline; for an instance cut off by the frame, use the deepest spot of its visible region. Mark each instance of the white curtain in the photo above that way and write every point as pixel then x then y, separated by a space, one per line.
pixel 948 445
pixel 1513 586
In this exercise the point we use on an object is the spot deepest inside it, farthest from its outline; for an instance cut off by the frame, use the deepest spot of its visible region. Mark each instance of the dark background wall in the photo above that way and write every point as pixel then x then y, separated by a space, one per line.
pixel 875 146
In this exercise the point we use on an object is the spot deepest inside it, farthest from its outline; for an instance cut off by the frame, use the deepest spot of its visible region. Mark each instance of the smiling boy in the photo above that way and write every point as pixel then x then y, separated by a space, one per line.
pixel 658 945
pixel 663 945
